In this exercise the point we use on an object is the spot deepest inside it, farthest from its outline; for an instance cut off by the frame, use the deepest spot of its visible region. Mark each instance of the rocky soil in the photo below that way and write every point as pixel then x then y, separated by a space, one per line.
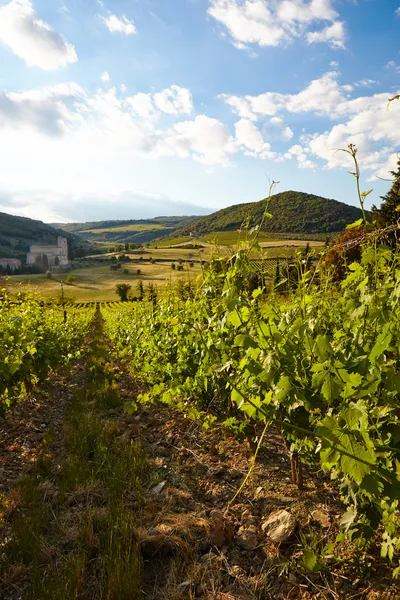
pixel 272 542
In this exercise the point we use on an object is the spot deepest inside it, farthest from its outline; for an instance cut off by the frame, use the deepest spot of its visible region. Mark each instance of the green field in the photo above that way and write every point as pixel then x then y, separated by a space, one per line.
pixel 97 283
pixel 233 238
pixel 93 280
pixel 124 228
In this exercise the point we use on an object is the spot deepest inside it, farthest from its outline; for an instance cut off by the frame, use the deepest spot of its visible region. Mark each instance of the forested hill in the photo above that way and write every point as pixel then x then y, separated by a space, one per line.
pixel 17 234
pixel 292 212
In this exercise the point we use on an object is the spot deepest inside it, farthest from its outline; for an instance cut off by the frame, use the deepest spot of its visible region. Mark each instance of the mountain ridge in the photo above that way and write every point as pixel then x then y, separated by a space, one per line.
pixel 292 212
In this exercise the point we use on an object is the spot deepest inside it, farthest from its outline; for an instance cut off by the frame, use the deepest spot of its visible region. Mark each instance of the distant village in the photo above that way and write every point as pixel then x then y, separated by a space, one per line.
pixel 45 257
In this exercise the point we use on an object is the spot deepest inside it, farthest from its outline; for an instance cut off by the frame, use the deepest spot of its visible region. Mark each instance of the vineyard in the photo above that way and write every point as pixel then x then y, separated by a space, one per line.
pixel 251 355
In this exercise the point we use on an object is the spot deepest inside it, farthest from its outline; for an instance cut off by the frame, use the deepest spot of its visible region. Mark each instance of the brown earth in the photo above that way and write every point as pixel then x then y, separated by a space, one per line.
pixel 194 546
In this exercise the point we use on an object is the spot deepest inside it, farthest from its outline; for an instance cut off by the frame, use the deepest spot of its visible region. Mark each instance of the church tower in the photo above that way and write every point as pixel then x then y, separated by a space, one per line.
pixel 63 244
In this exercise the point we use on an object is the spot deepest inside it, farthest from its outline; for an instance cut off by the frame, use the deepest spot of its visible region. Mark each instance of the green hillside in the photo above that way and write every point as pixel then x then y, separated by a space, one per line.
pixel 132 231
pixel 17 234
pixel 292 212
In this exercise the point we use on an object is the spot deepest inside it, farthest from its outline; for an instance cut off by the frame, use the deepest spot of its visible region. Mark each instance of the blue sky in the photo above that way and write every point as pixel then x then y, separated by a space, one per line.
pixel 138 108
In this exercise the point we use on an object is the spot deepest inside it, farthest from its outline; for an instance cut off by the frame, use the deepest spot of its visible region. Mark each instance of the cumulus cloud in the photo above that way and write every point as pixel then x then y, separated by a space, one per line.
pixel 106 124
pixel 364 121
pixel 397 12
pixel 332 34
pixel 105 77
pixel 269 23
pixel 320 96
pixel 119 24
pixel 49 111
pixel 32 39
pixel 174 100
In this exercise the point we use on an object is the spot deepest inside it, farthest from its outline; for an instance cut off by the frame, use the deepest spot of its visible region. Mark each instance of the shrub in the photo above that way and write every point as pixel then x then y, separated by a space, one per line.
pixel 173 266
pixel 138 271
pixel 126 272
pixel 122 290
pixel 70 279
pixel 140 290
pixel 338 256
pixel 49 274
pixel 180 267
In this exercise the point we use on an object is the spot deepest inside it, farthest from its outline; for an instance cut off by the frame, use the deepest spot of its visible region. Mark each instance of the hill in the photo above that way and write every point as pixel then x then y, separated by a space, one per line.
pixel 292 212
pixel 17 234
pixel 131 231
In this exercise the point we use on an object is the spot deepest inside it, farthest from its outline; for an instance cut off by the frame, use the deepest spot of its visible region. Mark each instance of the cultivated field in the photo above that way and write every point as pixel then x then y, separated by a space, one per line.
pixel 93 280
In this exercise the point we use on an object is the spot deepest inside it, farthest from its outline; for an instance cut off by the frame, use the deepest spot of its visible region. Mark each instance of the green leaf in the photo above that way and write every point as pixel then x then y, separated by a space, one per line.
pixel 234 319
pixel 382 343
pixel 348 518
pixel 310 560
pixel 245 341
pixel 323 347
pixel 283 388
pixel 356 223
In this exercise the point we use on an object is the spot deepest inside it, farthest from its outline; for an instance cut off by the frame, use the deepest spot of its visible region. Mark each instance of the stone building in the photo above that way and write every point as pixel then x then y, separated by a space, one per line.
pixel 12 264
pixel 56 255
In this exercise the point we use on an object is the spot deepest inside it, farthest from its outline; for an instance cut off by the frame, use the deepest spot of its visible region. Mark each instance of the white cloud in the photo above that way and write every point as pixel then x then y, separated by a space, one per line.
pixel 393 65
pixel 321 96
pixel 206 139
pixel 173 101
pixel 33 40
pixel 332 34
pixel 397 12
pixel 366 83
pixel 280 129
pixel 49 111
pixel 271 23
pixel 251 142
pixel 105 77
pixel 119 25
pixel 61 129
pixel 142 104
pixel 248 22
pixel 364 121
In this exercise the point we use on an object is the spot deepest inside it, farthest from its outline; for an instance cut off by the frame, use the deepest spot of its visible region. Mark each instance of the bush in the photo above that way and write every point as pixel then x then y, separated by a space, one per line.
pixel 122 290
pixel 126 272
pixel 180 267
pixel 138 271
pixel 70 279
pixel 338 256
pixel 191 265
pixel 49 274
pixel 173 266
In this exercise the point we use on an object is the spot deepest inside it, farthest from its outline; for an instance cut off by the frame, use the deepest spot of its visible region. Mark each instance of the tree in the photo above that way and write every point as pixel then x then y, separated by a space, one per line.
pixel 140 290
pixel 389 211
pixel 152 293
pixel 122 290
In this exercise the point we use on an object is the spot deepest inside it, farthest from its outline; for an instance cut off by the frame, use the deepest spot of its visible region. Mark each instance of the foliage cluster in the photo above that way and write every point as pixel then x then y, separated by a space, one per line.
pixel 35 339
pixel 323 366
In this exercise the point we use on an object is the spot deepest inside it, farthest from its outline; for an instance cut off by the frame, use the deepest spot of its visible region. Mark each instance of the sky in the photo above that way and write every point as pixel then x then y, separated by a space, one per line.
pixel 129 109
